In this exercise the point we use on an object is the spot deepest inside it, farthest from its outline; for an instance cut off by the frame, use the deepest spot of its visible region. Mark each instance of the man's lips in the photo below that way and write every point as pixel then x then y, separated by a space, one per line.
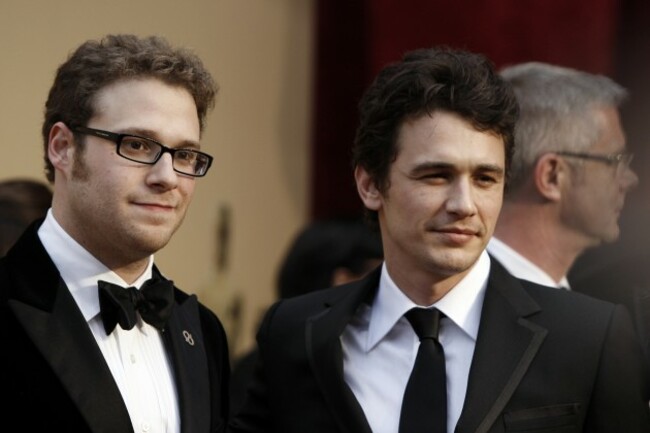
pixel 161 206
pixel 457 235
pixel 458 230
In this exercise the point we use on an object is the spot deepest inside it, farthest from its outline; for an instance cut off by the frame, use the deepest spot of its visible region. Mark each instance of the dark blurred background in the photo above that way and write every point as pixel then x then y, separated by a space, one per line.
pixel 356 39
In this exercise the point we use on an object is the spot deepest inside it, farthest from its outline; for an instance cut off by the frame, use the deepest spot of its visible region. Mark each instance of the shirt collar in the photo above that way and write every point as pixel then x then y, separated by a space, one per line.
pixel 79 269
pixel 462 304
pixel 521 267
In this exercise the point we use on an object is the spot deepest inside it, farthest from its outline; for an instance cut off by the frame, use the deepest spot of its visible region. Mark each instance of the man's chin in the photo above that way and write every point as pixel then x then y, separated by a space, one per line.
pixel 457 263
pixel 155 240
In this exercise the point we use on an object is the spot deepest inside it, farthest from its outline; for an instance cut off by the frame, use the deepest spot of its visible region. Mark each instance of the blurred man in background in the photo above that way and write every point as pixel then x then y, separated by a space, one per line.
pixel 22 201
pixel 570 172
pixel 570 175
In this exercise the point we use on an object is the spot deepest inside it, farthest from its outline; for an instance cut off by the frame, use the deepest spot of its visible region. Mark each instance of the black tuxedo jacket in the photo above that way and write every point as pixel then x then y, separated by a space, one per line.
pixel 545 361
pixel 54 376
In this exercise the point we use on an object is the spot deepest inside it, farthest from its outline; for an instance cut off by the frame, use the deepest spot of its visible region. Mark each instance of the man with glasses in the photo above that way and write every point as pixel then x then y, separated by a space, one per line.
pixel 96 338
pixel 570 172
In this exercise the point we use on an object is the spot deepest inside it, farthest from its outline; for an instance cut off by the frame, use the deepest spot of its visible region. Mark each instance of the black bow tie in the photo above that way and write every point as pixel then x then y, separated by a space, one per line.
pixel 154 301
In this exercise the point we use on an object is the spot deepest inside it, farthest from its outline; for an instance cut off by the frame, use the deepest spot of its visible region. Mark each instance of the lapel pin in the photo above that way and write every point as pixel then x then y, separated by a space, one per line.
pixel 188 338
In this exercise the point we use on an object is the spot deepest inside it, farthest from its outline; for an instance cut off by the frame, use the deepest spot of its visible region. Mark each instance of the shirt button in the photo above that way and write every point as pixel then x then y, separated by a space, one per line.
pixel 132 359
pixel 145 426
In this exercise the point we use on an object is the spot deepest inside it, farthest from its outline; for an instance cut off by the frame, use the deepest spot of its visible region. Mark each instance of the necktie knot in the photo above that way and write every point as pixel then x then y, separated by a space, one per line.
pixel 425 322
pixel 154 302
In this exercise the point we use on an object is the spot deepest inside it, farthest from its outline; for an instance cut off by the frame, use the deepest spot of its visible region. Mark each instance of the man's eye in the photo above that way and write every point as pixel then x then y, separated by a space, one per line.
pixel 185 155
pixel 436 175
pixel 136 144
pixel 486 179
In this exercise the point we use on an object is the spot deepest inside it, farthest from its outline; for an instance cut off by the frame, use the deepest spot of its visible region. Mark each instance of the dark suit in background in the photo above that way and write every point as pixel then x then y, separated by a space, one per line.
pixel 625 282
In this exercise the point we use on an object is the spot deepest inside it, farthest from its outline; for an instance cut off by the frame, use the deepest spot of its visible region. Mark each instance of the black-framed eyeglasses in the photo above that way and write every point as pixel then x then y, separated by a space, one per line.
pixel 621 161
pixel 148 151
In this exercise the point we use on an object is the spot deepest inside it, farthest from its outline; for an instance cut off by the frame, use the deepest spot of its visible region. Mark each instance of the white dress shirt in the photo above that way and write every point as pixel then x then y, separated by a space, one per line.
pixel 136 358
pixel 521 267
pixel 380 346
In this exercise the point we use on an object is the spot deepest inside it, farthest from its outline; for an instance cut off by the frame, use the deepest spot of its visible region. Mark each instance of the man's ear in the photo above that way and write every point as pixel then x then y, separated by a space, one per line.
pixel 370 195
pixel 60 147
pixel 550 174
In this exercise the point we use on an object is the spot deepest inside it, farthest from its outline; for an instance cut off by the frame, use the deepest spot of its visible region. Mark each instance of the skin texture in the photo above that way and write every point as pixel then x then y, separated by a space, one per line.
pixel 441 205
pixel 136 206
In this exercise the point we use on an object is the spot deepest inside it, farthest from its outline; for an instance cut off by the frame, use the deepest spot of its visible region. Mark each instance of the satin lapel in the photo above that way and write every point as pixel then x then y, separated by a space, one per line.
pixel 325 354
pixel 184 340
pixel 45 308
pixel 506 345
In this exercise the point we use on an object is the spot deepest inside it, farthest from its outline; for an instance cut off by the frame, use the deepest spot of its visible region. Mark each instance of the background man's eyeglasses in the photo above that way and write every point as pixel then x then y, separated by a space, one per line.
pixel 619 160
pixel 147 151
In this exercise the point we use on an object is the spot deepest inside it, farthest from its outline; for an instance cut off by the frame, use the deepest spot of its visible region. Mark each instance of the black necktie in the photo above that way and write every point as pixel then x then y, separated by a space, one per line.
pixel 154 302
pixel 424 408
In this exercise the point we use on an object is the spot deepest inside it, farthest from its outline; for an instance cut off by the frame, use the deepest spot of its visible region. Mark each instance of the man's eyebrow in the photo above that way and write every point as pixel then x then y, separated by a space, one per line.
pixel 439 165
pixel 152 135
pixel 430 165
pixel 493 168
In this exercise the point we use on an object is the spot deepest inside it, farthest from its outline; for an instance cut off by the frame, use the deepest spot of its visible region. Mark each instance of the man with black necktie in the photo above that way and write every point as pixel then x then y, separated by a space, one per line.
pixel 431 159
pixel 96 338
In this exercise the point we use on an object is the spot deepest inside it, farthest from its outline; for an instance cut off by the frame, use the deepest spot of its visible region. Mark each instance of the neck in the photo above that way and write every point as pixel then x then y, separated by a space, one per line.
pixel 551 247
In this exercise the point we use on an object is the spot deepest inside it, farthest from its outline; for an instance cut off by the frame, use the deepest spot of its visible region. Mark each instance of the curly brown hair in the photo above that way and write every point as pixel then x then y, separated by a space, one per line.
pixel 96 64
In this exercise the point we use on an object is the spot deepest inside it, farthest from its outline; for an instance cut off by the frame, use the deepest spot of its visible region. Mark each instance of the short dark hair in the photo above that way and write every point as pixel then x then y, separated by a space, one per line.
pixel 96 64
pixel 425 81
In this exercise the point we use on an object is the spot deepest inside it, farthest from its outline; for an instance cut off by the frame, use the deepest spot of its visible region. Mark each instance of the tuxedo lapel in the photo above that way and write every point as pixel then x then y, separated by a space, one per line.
pixel 506 345
pixel 325 354
pixel 184 341
pixel 50 316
